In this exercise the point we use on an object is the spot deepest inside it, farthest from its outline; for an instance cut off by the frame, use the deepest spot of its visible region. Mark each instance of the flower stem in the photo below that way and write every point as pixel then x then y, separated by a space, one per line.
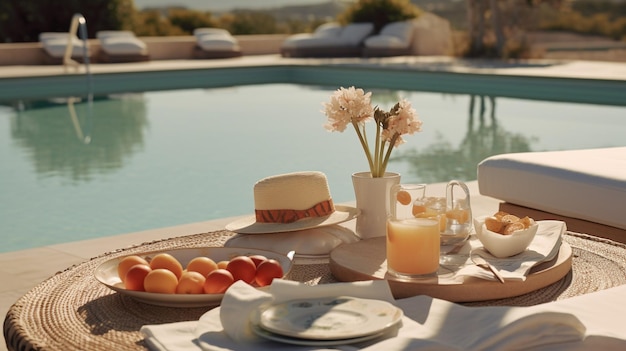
pixel 365 146
pixel 388 154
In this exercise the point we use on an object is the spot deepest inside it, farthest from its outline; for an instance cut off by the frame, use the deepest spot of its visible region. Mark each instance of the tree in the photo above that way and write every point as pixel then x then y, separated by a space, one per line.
pixel 380 12
pixel 188 20
pixel 23 20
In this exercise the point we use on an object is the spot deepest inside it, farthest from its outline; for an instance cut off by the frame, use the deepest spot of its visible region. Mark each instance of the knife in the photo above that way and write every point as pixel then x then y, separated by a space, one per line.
pixel 481 262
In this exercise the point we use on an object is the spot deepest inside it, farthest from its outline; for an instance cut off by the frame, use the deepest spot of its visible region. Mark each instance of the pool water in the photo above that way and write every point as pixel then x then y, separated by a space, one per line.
pixel 165 158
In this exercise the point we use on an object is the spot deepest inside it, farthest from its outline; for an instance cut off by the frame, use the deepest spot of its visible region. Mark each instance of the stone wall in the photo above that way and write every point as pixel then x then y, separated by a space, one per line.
pixel 160 48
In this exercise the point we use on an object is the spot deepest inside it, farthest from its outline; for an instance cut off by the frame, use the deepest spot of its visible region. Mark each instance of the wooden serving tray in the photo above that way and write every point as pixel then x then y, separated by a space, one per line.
pixel 366 260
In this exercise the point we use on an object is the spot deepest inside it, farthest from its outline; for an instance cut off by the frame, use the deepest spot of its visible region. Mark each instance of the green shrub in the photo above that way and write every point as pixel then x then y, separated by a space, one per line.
pixel 380 12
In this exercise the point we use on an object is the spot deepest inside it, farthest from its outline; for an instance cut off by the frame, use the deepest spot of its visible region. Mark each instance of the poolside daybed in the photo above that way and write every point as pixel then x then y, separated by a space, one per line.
pixel 55 43
pixel 121 46
pixel 585 188
pixel 328 40
pixel 214 43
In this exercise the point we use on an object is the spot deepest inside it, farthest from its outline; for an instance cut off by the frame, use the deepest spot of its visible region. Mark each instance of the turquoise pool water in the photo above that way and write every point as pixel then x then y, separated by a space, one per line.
pixel 165 158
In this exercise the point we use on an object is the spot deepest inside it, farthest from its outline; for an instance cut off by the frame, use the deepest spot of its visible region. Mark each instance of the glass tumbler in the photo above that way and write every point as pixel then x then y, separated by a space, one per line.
pixel 412 243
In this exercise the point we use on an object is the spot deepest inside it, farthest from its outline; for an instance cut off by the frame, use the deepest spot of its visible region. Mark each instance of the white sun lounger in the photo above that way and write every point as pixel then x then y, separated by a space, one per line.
pixel 121 46
pixel 215 43
pixel 55 43
pixel 586 188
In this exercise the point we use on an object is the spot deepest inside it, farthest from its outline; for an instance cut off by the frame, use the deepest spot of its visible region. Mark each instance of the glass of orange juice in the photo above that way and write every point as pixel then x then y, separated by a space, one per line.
pixel 412 243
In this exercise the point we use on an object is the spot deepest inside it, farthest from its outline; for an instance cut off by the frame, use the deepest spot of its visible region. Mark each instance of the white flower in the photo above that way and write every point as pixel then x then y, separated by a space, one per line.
pixel 353 106
pixel 348 106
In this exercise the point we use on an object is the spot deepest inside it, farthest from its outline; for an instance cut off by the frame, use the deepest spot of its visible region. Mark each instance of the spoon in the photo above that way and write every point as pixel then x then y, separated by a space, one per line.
pixel 481 262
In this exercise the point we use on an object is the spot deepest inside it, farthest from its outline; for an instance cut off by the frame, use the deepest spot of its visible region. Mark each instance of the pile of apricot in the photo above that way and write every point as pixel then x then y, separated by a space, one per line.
pixel 163 273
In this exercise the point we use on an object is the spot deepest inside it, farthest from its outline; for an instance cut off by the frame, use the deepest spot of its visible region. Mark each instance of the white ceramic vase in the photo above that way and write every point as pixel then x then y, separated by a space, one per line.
pixel 372 198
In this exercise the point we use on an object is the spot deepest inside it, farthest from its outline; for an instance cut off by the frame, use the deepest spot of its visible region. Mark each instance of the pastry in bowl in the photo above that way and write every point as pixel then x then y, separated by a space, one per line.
pixel 505 235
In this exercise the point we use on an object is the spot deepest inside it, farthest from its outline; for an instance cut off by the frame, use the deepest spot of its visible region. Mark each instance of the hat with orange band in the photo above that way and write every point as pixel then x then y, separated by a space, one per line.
pixel 291 202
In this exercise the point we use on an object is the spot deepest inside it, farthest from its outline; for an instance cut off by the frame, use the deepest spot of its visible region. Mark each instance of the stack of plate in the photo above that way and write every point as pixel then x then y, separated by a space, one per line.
pixel 326 321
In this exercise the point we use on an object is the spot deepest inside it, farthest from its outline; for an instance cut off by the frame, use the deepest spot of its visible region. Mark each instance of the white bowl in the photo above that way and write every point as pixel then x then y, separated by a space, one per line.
pixel 501 245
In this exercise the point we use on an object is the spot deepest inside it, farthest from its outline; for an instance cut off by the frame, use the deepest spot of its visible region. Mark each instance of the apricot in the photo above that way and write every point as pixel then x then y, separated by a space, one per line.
pixel 403 197
pixel 268 271
pixel 133 280
pixel 222 264
pixel 191 282
pixel 460 215
pixel 242 268
pixel 125 263
pixel 218 281
pixel 161 280
pixel 257 259
pixel 202 265
pixel 167 261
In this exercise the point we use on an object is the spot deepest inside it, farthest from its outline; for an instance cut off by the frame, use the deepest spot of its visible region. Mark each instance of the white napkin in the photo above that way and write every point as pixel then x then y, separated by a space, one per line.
pixel 171 336
pixel 428 324
pixel 544 247
pixel 481 328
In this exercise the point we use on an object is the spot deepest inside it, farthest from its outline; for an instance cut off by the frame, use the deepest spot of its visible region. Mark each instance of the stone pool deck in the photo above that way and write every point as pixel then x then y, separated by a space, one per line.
pixel 20 271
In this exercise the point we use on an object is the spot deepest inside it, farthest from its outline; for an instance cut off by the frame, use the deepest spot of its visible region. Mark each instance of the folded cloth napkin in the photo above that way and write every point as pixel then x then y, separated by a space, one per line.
pixel 544 247
pixel 441 322
pixel 428 323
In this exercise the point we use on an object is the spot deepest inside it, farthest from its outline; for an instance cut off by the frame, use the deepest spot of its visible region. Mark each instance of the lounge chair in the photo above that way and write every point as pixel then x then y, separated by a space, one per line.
pixel 585 188
pixel 328 40
pixel 55 43
pixel 394 39
pixel 121 46
pixel 212 43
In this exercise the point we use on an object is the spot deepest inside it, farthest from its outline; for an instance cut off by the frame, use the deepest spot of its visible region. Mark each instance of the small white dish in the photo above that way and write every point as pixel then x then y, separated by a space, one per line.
pixel 106 273
pixel 331 318
pixel 500 245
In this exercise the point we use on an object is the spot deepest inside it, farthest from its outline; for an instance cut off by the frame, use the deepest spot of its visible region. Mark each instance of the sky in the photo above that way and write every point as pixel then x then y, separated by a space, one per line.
pixel 223 5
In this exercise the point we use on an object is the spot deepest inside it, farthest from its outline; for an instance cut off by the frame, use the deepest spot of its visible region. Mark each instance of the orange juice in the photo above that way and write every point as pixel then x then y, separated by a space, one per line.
pixel 412 246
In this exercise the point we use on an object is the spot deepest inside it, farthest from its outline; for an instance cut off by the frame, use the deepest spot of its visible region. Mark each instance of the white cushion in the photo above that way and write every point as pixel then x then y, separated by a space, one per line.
pixel 402 30
pixel 215 39
pixel 586 184
pixel 123 46
pixel 330 29
pixel 217 42
pixel 103 34
pixel 396 35
pixel 385 42
pixel 120 42
pixel 198 32
pixel 354 33
pixel 311 42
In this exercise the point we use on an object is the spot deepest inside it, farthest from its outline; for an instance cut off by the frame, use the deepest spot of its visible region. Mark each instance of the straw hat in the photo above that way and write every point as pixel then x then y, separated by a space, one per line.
pixel 290 202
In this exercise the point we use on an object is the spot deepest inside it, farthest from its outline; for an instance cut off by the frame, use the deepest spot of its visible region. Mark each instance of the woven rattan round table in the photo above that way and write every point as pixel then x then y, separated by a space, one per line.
pixel 73 311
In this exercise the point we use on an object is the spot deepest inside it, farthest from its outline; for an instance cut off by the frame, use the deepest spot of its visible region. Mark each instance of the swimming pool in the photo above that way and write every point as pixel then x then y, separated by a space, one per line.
pixel 165 158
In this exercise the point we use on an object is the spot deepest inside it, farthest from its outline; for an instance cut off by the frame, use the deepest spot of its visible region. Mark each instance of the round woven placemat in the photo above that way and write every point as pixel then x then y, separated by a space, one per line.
pixel 73 311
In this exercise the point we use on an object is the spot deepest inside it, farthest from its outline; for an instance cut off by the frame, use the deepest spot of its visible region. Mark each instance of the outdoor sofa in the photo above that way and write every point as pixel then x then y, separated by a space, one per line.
pixel 328 40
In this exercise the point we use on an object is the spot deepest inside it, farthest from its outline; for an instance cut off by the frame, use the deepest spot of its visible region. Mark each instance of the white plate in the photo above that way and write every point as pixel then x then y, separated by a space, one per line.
pixel 307 342
pixel 331 318
pixel 106 273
